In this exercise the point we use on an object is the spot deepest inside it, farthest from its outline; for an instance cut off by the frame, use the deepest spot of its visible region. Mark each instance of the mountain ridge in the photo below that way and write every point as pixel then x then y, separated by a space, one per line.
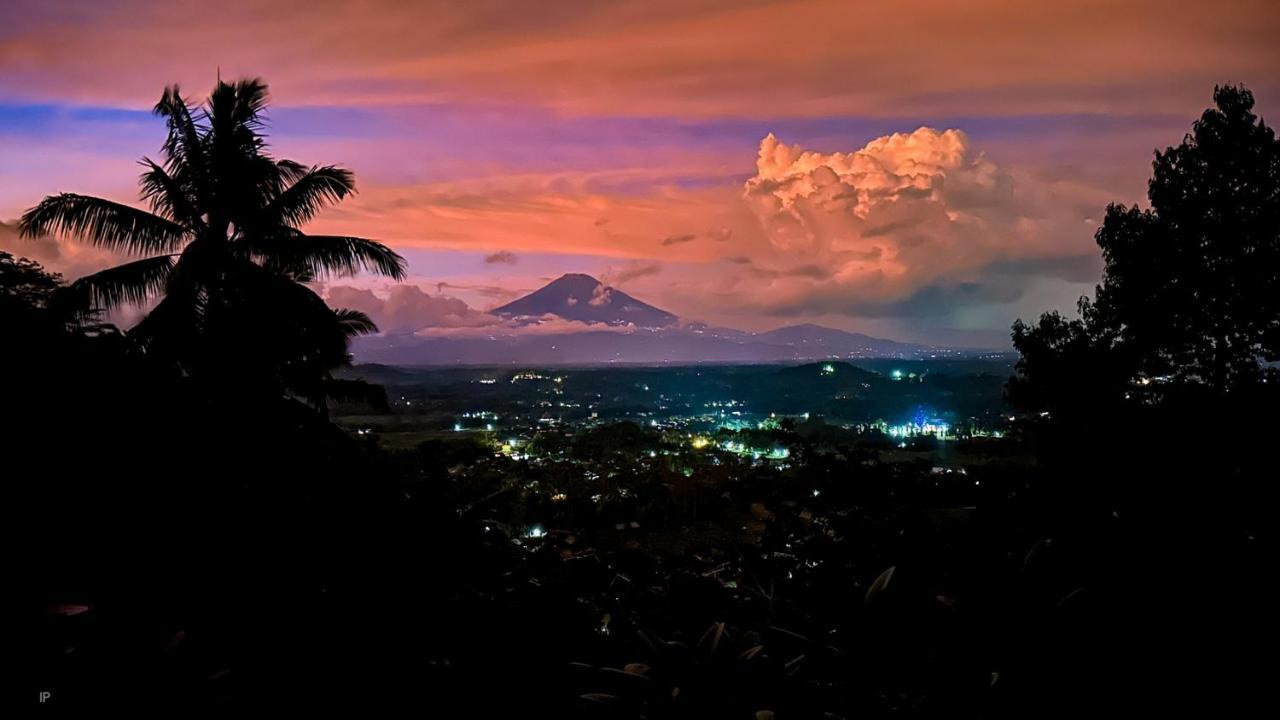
pixel 618 328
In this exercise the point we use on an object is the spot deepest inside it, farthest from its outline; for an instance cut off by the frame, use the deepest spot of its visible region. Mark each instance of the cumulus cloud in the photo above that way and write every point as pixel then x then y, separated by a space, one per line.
pixel 892 225
pixel 504 257
pixel 927 184
pixel 407 308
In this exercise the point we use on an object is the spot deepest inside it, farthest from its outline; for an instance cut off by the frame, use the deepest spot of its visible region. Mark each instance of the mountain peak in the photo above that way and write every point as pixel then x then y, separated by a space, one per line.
pixel 583 298
pixel 574 281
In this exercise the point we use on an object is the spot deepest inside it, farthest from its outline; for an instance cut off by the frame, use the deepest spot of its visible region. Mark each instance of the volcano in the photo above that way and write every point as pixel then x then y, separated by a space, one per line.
pixel 583 298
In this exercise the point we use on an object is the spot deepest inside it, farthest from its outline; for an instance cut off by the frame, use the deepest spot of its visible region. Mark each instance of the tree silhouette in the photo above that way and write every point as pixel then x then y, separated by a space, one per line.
pixel 24 284
pixel 223 248
pixel 1191 291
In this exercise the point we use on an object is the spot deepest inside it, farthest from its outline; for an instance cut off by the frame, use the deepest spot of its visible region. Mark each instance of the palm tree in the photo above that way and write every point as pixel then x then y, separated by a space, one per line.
pixel 222 246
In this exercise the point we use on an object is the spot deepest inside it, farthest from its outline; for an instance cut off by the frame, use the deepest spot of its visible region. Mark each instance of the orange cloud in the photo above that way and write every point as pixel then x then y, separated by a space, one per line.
pixel 709 58
pixel 902 202
pixel 534 213
pixel 903 213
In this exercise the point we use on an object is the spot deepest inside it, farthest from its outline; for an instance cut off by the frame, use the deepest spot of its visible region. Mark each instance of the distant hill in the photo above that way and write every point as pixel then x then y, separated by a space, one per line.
pixel 812 341
pixel 835 373
pixel 650 347
pixel 583 298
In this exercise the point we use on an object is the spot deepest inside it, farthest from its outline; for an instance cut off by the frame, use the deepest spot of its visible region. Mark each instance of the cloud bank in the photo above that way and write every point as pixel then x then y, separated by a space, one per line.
pixel 907 220
pixel 670 57
pixel 407 308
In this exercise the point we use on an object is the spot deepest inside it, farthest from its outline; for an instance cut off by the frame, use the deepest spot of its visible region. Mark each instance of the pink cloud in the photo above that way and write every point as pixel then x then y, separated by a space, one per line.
pixel 58 254
pixel 547 325
pixel 407 308
pixel 902 213
pixel 72 260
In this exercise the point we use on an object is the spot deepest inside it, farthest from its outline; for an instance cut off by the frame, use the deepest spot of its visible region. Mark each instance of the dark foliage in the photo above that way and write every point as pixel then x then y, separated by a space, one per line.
pixel 1191 292
pixel 1148 414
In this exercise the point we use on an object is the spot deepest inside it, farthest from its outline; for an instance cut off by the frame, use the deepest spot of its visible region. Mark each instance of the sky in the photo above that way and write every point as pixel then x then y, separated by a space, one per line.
pixel 922 170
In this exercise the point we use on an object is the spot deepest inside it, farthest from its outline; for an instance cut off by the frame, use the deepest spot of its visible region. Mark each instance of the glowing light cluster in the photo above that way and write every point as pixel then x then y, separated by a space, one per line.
pixel 936 428
pixel 776 453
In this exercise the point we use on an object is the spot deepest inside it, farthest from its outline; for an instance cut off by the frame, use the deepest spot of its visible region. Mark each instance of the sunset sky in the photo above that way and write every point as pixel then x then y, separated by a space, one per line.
pixel 918 170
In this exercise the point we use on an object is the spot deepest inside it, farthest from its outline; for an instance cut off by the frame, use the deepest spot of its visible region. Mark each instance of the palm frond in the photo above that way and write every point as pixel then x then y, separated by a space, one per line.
pixel 354 322
pixel 132 283
pixel 166 196
pixel 291 170
pixel 315 256
pixel 308 193
pixel 246 181
pixel 184 146
pixel 251 100
pixel 235 110
pixel 103 223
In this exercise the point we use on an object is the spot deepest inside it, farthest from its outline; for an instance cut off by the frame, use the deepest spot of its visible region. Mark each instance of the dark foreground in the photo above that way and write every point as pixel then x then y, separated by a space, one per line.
pixel 180 553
